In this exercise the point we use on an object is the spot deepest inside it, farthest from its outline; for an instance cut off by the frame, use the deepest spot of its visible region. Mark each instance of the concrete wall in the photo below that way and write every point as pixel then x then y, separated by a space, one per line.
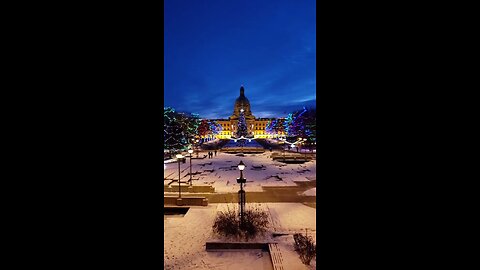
pixel 198 201
pixel 194 189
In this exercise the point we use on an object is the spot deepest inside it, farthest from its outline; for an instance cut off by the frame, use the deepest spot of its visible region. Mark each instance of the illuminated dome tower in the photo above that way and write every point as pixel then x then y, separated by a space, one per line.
pixel 242 103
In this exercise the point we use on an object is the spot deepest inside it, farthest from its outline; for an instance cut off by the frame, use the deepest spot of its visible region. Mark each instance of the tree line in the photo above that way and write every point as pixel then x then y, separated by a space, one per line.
pixel 181 129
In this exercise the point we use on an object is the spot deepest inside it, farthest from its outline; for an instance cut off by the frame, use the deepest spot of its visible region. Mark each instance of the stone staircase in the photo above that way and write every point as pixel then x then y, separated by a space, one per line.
pixel 274 250
pixel 276 257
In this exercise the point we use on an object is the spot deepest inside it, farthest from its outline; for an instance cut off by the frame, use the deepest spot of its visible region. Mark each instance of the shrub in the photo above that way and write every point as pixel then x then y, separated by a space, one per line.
pixel 228 223
pixel 255 222
pixel 305 247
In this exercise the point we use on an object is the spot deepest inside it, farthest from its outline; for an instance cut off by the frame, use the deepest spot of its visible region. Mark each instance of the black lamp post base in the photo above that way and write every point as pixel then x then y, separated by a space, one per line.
pixel 179 202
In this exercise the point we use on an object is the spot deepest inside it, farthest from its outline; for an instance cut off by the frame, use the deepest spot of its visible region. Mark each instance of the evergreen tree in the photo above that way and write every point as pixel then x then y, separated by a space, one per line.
pixel 242 126
pixel 203 129
pixel 215 127
pixel 172 129
pixel 270 127
pixel 302 124
pixel 288 123
pixel 279 126
pixel 178 128
pixel 275 126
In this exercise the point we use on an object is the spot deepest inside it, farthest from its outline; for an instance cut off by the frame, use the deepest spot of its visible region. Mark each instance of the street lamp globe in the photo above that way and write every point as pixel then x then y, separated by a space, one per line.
pixel 241 166
pixel 179 156
pixel 190 151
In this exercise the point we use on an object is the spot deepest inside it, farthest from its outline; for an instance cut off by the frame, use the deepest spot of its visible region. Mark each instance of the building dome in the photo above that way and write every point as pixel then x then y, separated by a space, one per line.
pixel 242 102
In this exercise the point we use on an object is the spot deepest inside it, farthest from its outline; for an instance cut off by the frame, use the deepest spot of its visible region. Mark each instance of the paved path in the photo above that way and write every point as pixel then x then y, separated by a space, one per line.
pixel 270 194
pixel 285 195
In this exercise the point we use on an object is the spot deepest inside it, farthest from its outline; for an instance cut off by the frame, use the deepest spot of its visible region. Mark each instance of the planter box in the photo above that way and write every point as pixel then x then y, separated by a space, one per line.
pixel 214 245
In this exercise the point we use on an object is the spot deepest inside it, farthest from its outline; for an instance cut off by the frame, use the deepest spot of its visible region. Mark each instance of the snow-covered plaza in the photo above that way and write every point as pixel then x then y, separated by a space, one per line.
pixel 185 239
pixel 285 191
pixel 261 171
pixel 240 131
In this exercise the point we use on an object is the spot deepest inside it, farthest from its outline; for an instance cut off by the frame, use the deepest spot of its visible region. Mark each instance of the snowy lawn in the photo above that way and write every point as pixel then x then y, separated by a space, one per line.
pixel 225 172
pixel 293 218
pixel 185 239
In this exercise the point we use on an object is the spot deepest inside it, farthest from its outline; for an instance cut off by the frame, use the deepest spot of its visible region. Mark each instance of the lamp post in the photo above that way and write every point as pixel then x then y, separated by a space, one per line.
pixel 190 151
pixel 241 192
pixel 196 146
pixel 304 144
pixel 179 157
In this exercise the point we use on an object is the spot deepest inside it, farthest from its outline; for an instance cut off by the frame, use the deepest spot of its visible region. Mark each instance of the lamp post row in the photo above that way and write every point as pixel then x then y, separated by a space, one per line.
pixel 190 151
pixel 179 158
pixel 241 180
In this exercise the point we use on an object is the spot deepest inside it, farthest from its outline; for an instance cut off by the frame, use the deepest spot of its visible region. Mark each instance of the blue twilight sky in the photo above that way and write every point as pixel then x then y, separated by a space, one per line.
pixel 212 47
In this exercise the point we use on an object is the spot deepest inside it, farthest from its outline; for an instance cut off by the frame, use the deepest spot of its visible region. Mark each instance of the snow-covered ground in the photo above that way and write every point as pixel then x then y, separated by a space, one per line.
pixel 225 171
pixel 310 192
pixel 185 239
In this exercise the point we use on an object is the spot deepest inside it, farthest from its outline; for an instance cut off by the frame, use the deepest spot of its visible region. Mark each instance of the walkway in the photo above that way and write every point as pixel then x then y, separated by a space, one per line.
pixel 269 194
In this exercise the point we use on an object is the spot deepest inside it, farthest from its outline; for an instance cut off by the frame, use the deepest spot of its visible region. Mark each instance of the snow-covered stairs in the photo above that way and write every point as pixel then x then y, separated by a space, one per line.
pixel 276 256
pixel 275 253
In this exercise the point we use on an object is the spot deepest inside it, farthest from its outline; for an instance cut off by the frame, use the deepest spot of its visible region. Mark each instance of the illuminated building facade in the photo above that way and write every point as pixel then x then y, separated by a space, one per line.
pixel 255 126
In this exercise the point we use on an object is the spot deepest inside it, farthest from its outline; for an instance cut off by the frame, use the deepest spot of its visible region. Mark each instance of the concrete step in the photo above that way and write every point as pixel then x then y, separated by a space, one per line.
pixel 276 256
pixel 189 189
pixel 195 201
